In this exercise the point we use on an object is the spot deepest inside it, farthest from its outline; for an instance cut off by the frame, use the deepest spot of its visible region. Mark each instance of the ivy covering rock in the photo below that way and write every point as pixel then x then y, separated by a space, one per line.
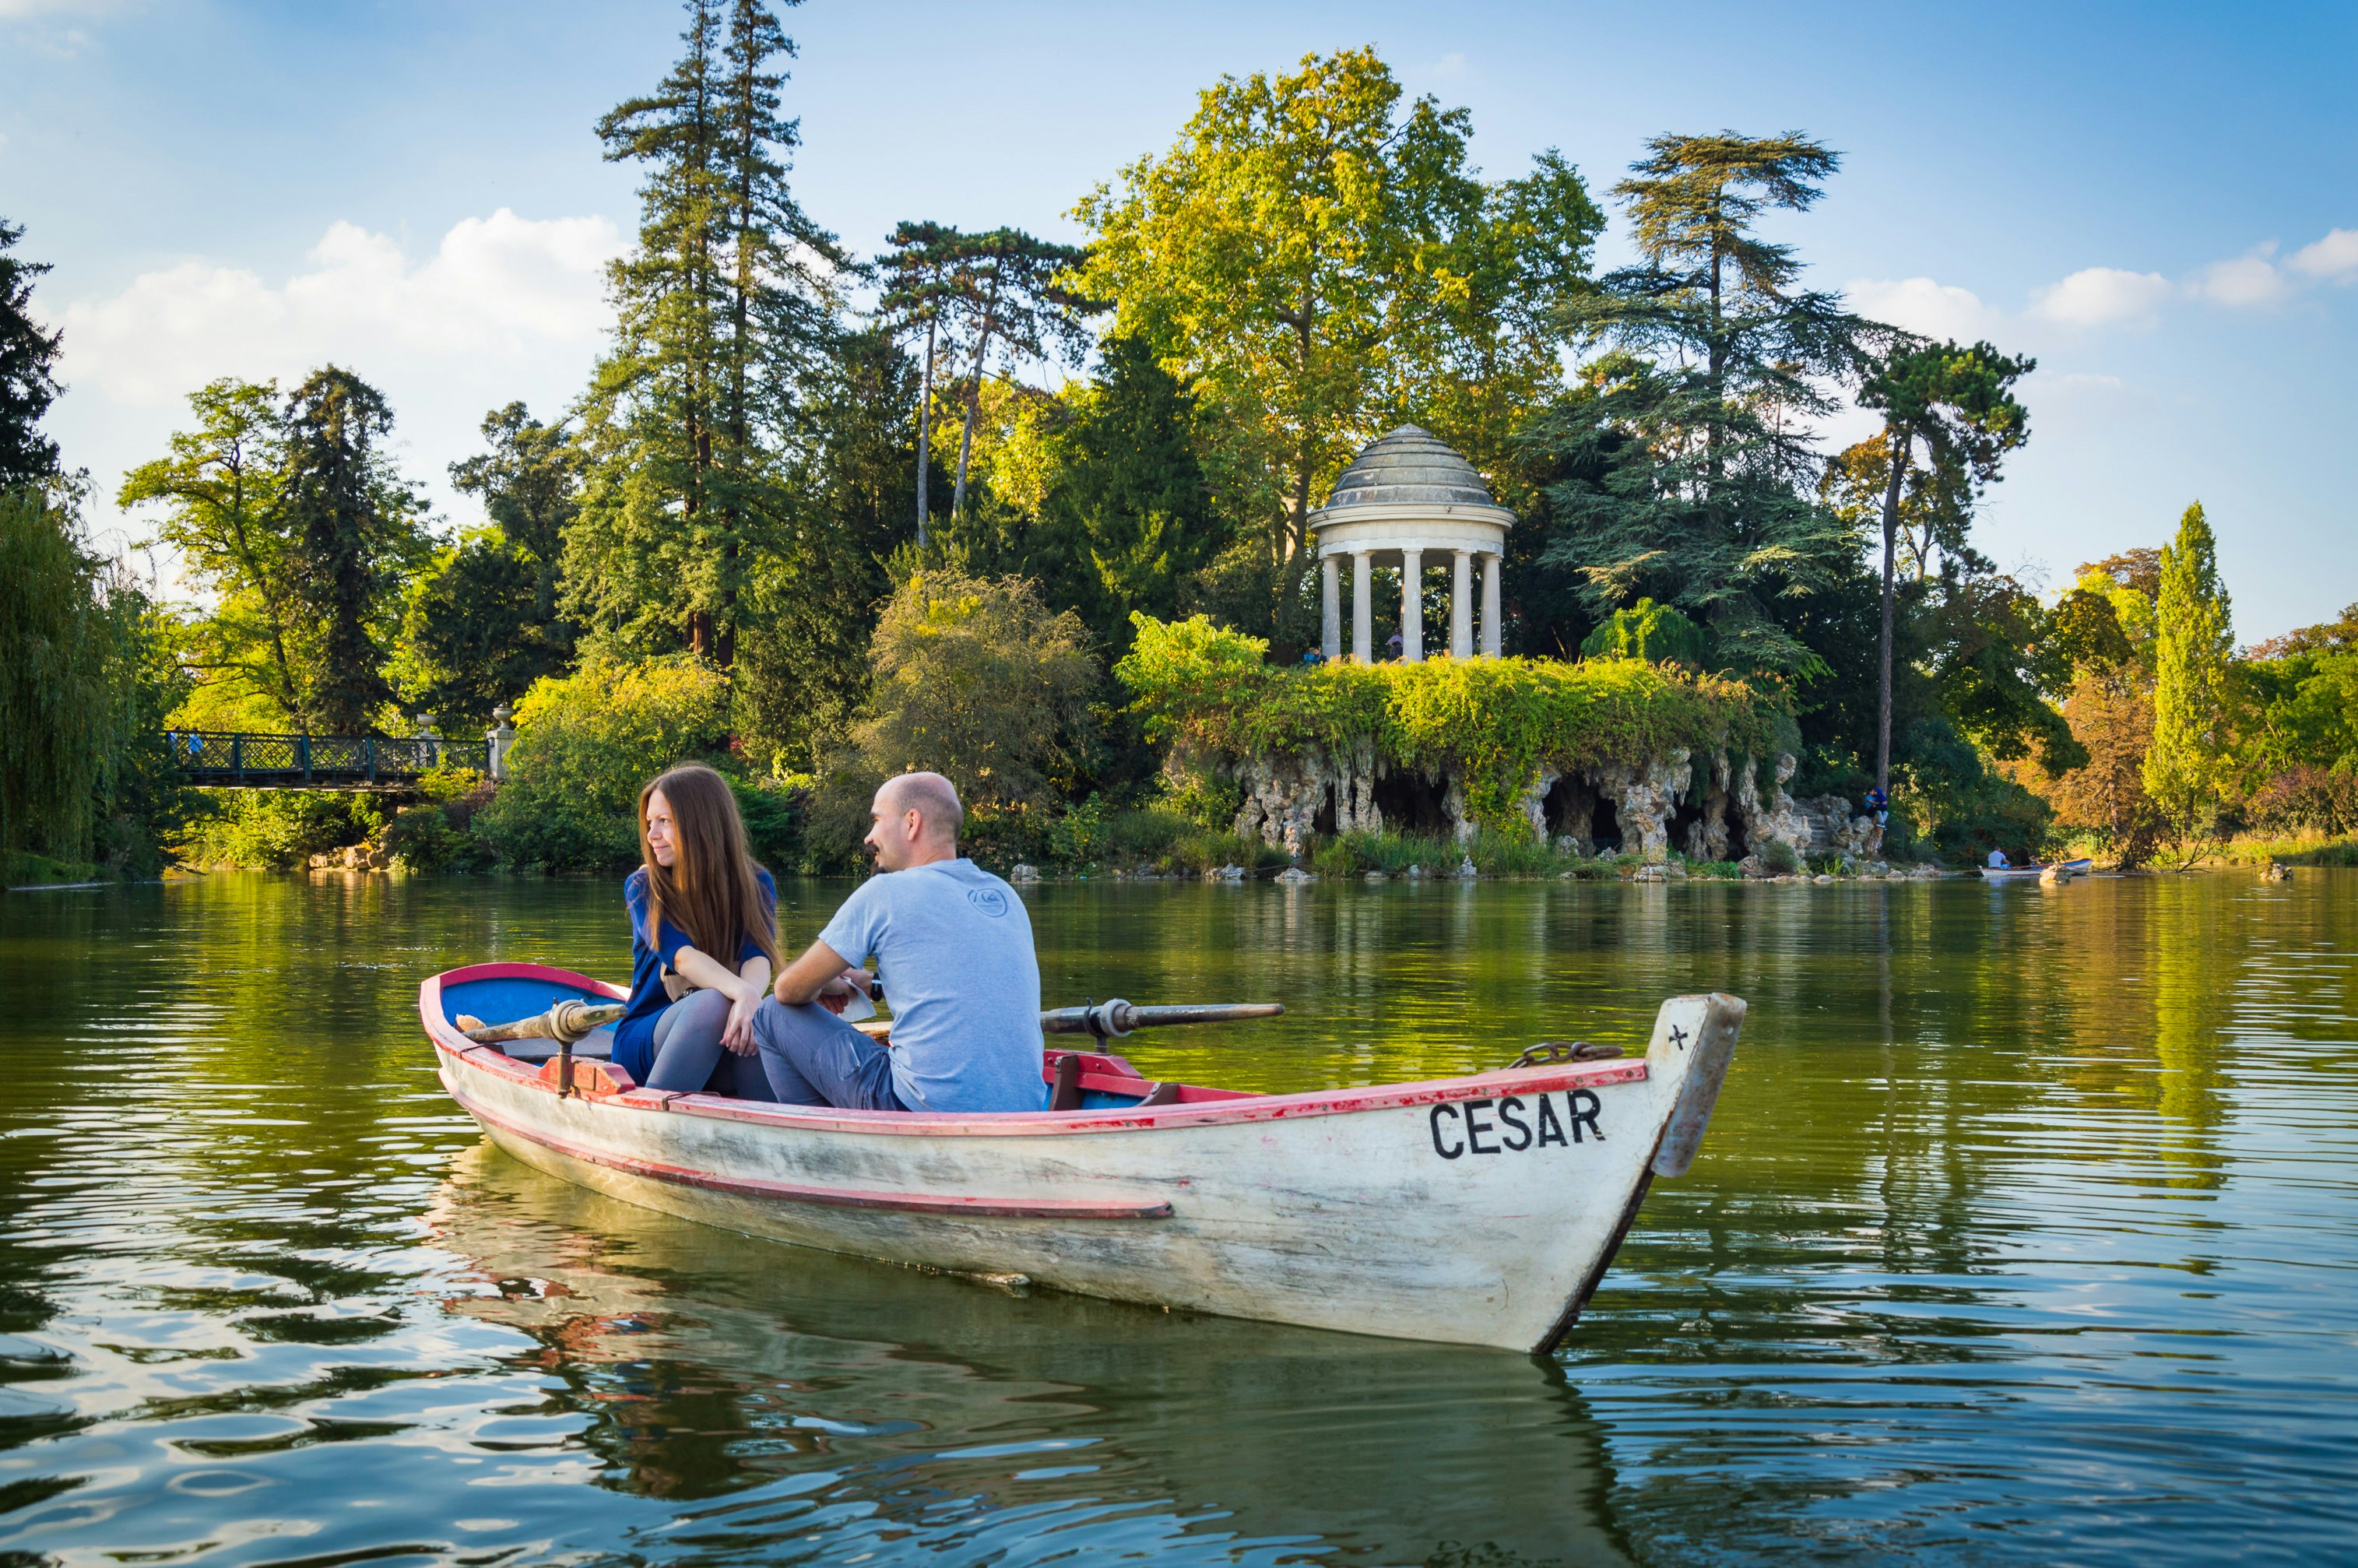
pixel 1492 737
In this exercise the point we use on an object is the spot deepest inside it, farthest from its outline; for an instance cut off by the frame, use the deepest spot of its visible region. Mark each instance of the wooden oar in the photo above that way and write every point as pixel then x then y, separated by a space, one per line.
pixel 1112 1020
pixel 564 1023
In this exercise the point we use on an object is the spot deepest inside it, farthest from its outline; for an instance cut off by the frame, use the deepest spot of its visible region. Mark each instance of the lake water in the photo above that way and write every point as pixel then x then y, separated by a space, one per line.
pixel 2025 1233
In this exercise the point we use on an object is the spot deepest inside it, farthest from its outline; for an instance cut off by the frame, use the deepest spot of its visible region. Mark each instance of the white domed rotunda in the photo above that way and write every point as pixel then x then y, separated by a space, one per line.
pixel 1406 496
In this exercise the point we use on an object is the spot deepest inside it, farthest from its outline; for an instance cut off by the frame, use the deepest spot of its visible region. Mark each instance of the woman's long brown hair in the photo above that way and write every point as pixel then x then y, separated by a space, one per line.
pixel 709 889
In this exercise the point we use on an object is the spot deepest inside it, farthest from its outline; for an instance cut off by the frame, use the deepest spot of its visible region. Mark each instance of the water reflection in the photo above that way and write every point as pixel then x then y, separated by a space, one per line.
pixel 828 1394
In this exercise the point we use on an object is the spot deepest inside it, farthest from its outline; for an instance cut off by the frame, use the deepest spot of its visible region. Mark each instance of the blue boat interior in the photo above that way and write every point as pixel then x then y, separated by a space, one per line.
pixel 505 1000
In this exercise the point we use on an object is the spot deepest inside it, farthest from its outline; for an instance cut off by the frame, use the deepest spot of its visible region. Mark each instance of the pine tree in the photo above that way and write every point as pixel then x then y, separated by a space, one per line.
pixel 27 370
pixel 918 270
pixel 1689 447
pixel 1958 404
pixel 2193 641
pixel 716 310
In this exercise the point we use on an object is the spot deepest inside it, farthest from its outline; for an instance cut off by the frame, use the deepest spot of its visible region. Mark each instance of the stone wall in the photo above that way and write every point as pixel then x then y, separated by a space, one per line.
pixel 1285 795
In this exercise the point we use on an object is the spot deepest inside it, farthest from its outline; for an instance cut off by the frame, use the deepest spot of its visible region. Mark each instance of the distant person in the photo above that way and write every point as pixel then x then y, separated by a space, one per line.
pixel 1394 645
pixel 1997 860
pixel 1312 658
pixel 704 941
pixel 1878 804
pixel 953 945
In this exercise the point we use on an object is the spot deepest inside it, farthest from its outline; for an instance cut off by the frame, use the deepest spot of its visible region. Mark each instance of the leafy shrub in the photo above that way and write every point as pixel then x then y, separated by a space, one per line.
pixel 1210 851
pixel 1081 834
pixel 279 827
pixel 1145 837
pixel 1779 857
pixel 1335 858
pixel 979 680
pixel 435 838
pixel 585 745
pixel 1657 634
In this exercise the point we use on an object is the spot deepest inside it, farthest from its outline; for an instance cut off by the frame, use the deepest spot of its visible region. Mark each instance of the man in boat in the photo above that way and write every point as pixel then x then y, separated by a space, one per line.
pixel 955 943
pixel 1997 860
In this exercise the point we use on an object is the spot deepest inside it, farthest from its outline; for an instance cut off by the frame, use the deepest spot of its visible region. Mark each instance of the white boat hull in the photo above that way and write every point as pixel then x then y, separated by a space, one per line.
pixel 1457 1210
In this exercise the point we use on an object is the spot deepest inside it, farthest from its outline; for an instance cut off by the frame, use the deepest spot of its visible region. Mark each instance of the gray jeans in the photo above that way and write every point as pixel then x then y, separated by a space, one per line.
pixel 691 1058
pixel 813 1057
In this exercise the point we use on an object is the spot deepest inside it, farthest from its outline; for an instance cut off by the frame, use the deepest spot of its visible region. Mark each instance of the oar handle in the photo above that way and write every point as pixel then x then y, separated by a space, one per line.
pixel 1112 1020
pixel 566 1022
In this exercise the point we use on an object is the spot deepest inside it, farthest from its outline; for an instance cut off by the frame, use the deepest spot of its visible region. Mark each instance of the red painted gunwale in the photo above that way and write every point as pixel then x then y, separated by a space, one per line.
pixel 1001 1124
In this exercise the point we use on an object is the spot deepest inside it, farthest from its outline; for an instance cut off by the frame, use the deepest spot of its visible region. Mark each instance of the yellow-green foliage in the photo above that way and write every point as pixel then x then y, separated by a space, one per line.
pixel 1493 722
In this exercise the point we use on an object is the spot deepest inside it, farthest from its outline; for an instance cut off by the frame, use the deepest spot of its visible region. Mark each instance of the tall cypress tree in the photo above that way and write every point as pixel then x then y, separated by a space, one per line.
pixel 27 370
pixel 2194 639
pixel 715 308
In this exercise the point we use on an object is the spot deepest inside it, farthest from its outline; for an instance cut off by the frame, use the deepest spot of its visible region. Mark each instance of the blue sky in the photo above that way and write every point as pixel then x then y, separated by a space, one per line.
pixel 2157 201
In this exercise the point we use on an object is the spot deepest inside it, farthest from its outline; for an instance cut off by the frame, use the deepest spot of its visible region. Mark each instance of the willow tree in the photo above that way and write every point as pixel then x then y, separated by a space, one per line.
pixel 1691 442
pixel 62 646
pixel 717 308
pixel 1316 259
pixel 2194 640
pixel 28 358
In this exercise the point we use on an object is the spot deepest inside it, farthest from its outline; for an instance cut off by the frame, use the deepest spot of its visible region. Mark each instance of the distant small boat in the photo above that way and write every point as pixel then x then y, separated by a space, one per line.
pixel 1479 1210
pixel 2078 868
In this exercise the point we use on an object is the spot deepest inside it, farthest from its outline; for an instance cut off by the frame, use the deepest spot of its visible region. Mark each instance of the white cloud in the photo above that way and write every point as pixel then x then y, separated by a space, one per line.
pixel 2100 295
pixel 1921 305
pixel 2334 256
pixel 2247 280
pixel 500 288
pixel 505 308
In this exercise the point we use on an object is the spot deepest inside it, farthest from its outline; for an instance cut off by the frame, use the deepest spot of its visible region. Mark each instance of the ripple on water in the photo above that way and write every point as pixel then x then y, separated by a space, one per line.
pixel 2025 1230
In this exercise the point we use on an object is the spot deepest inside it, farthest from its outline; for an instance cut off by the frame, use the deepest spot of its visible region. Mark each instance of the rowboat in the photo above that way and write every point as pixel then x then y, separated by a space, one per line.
pixel 1481 1209
pixel 2078 868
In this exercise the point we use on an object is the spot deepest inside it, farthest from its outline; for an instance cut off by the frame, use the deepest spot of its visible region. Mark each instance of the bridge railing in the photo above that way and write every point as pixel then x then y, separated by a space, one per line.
pixel 243 757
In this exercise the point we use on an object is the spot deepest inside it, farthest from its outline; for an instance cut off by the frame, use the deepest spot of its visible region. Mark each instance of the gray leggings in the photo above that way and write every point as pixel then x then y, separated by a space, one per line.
pixel 691 1058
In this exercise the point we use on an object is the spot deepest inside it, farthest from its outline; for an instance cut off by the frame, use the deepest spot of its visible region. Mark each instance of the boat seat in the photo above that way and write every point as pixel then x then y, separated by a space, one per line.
pixel 598 1045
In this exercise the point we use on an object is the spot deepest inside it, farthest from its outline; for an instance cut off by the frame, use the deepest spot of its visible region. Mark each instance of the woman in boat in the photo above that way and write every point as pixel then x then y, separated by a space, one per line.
pixel 704 938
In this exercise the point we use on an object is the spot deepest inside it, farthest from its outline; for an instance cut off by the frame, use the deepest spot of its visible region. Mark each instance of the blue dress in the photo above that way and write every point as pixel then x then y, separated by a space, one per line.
pixel 635 1037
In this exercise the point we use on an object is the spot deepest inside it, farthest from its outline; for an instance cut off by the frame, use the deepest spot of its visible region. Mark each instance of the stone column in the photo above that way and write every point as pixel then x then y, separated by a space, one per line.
pixel 498 739
pixel 1491 639
pixel 1330 598
pixel 1412 606
pixel 1363 606
pixel 1461 607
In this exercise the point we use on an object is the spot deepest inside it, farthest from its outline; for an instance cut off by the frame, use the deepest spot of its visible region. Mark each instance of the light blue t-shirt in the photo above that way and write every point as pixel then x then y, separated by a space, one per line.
pixel 953 945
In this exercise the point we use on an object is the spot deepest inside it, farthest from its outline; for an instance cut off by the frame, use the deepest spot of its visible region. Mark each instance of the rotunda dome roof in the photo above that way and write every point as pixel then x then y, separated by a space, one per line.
pixel 1410 467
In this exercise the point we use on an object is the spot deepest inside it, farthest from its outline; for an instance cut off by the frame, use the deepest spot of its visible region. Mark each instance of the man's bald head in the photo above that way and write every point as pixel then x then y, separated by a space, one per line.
pixel 917 818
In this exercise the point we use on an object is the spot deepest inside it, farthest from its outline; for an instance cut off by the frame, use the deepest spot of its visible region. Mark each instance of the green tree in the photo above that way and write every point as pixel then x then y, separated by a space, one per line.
pixel 1654 632
pixel 218 493
pixel 1006 292
pixel 1130 484
pixel 86 678
pixel 978 679
pixel 1687 449
pixel 483 623
pixel 28 358
pixel 351 527
pixel 803 665
pixel 716 309
pixel 1958 406
pixel 1316 260
pixel 916 270
pixel 2193 644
